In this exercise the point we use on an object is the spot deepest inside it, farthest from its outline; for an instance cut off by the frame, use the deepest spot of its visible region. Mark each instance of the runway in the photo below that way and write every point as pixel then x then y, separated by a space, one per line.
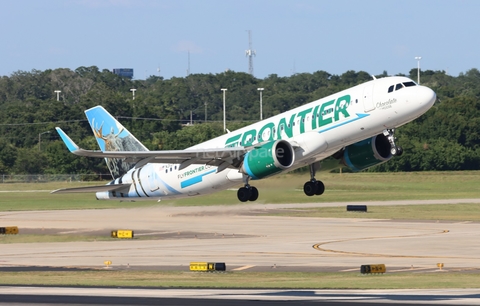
pixel 136 296
pixel 246 238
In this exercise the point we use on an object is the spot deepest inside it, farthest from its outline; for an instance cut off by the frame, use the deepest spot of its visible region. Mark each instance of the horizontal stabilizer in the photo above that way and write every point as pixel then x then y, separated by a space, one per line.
pixel 72 146
pixel 113 187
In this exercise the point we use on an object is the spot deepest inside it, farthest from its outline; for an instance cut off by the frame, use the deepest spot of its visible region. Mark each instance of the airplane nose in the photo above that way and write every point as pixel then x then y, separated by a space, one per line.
pixel 427 97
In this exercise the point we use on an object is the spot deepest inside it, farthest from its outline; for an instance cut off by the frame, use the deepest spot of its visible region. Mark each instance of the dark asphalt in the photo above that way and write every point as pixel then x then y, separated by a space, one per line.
pixel 30 300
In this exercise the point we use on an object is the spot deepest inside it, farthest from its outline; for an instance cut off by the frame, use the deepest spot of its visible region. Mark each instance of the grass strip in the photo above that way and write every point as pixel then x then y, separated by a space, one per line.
pixel 438 212
pixel 279 189
pixel 292 280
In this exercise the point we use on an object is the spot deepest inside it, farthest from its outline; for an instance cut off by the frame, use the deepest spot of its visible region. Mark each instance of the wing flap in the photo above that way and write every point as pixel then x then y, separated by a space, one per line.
pixel 89 189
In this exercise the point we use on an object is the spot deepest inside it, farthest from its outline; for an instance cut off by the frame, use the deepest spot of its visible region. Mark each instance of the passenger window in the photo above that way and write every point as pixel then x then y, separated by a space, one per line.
pixel 399 86
pixel 390 89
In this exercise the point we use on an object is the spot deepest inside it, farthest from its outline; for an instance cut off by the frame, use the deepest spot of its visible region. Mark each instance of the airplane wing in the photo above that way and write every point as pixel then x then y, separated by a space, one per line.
pixel 113 187
pixel 221 157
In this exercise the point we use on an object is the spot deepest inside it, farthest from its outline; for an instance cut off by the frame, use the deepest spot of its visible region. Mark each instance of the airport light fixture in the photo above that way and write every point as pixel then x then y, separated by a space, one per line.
pixel 133 93
pixel 224 122
pixel 261 107
pixel 58 94
pixel 418 58
pixel 40 138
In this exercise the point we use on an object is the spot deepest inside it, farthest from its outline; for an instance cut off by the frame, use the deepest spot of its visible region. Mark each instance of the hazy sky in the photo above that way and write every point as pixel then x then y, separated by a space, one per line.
pixel 288 36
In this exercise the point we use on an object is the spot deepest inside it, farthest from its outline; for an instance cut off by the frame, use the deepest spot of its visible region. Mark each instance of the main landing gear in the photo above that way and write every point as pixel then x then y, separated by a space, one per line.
pixel 247 193
pixel 394 149
pixel 313 187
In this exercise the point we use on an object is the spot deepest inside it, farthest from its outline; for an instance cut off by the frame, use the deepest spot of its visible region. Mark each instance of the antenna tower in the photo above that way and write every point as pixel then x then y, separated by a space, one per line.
pixel 188 69
pixel 250 53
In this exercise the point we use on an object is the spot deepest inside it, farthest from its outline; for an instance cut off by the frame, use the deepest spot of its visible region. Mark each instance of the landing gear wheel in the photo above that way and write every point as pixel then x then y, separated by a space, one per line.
pixel 247 193
pixel 320 188
pixel 397 151
pixel 244 194
pixel 394 149
pixel 313 187
pixel 253 194
pixel 310 188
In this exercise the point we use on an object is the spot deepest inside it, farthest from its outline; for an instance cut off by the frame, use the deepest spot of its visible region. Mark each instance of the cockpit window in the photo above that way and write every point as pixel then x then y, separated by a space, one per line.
pixel 401 85
pixel 408 84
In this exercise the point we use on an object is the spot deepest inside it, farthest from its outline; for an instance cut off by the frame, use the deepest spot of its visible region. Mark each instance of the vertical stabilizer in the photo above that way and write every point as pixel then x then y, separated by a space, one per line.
pixel 111 135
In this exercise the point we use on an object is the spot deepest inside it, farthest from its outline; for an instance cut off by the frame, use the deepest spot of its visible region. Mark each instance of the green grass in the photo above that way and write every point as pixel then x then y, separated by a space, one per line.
pixel 443 212
pixel 357 187
pixel 36 196
pixel 292 280
pixel 287 188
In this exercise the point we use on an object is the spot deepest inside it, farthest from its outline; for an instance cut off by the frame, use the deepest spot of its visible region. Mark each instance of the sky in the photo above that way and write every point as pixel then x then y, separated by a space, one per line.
pixel 169 37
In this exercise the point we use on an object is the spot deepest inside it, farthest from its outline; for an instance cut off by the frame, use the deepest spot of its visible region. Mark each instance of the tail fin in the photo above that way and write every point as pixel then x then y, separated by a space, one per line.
pixel 111 135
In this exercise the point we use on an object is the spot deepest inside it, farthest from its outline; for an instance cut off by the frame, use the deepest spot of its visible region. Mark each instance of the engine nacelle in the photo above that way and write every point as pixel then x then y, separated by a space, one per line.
pixel 268 159
pixel 367 153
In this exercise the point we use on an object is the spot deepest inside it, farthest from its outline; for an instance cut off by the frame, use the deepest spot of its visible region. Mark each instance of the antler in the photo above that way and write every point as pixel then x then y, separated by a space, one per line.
pixel 98 132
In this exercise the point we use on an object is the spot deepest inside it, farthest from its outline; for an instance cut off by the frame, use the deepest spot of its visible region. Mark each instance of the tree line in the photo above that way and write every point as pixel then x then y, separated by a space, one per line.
pixel 445 138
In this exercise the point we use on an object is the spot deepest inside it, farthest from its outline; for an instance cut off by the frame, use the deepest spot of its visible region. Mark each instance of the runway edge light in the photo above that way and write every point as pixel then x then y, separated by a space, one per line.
pixel 357 208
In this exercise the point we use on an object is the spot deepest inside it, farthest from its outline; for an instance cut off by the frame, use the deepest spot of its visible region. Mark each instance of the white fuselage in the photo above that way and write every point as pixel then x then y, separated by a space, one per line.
pixel 319 128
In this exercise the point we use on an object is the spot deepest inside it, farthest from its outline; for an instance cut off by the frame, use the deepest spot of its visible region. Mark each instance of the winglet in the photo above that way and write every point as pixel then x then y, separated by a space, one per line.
pixel 68 142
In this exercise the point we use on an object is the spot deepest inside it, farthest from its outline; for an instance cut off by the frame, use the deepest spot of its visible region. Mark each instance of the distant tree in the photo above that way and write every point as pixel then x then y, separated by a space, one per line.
pixel 445 138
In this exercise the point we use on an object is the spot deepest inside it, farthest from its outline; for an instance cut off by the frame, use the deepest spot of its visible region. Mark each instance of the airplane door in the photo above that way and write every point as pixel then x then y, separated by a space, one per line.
pixel 153 181
pixel 368 104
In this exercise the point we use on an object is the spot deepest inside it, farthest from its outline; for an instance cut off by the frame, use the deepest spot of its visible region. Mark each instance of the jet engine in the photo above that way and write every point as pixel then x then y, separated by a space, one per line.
pixel 367 153
pixel 267 159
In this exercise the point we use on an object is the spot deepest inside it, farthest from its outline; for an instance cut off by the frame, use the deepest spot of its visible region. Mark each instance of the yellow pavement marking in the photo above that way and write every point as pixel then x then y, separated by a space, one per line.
pixel 243 268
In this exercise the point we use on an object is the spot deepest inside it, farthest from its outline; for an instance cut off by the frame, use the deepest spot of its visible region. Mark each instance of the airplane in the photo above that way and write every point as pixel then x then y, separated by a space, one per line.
pixel 354 128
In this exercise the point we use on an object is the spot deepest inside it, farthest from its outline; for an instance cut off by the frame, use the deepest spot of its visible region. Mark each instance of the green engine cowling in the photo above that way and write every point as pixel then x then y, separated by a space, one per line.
pixel 270 158
pixel 367 153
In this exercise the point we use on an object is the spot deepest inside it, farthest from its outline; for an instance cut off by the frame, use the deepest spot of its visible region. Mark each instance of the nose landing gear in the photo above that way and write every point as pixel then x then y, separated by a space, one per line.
pixel 394 149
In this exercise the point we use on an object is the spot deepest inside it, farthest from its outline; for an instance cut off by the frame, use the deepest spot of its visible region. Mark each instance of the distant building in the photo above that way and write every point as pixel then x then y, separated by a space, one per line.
pixel 124 72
